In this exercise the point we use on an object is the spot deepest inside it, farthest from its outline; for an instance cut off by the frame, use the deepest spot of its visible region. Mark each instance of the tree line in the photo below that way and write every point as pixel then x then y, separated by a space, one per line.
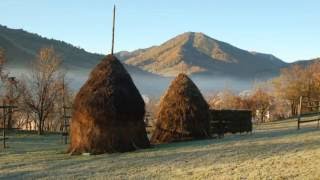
pixel 277 98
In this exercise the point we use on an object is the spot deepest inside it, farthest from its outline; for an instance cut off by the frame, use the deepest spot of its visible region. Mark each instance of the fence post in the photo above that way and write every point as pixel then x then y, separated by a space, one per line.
pixel 4 125
pixel 65 131
pixel 299 111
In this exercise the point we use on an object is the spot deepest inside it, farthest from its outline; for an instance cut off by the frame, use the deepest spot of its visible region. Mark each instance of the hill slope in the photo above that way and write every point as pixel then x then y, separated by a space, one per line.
pixel 21 48
pixel 306 62
pixel 196 53
pixel 192 53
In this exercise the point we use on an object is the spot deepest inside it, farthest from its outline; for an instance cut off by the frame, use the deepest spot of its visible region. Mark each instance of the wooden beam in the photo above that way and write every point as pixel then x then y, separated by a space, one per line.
pixel 310 114
pixel 307 121
pixel 8 106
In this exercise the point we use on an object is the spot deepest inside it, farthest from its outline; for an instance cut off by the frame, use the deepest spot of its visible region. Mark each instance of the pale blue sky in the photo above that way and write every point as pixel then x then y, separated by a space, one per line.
pixel 289 29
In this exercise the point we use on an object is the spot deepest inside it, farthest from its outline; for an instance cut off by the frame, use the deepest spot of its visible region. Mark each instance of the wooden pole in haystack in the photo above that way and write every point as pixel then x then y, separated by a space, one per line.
pixel 113 27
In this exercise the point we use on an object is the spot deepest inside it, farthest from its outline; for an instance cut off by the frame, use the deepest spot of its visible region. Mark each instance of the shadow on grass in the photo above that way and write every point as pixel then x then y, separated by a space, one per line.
pixel 15 175
pixel 263 135
pixel 201 157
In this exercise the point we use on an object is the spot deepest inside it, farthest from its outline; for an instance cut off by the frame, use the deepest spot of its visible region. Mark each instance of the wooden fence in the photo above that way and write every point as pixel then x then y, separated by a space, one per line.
pixel 6 113
pixel 231 121
pixel 308 111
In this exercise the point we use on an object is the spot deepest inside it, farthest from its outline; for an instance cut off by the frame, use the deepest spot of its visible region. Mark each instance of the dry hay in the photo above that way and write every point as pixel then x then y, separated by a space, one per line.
pixel 108 112
pixel 183 113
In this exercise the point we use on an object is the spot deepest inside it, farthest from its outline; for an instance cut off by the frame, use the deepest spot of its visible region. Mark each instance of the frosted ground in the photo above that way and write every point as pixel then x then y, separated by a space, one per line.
pixel 273 151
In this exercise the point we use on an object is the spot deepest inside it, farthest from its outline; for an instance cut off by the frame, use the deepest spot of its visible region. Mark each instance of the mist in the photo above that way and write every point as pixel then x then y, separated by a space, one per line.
pixel 155 86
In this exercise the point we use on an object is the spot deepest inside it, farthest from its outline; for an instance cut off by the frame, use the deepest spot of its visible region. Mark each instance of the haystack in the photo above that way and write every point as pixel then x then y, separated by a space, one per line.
pixel 183 113
pixel 108 112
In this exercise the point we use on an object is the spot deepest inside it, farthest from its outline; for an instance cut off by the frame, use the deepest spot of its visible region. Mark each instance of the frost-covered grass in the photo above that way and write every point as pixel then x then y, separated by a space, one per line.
pixel 273 151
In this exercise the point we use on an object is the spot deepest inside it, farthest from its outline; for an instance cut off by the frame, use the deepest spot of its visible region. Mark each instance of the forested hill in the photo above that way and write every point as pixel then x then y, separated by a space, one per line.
pixel 192 53
pixel 21 47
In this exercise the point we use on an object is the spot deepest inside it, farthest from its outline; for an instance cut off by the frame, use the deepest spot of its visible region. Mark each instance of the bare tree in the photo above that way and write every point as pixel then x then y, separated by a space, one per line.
pixel 3 73
pixel 63 106
pixel 227 99
pixel 9 91
pixel 297 81
pixel 42 87
pixel 2 61
pixel 11 97
pixel 261 103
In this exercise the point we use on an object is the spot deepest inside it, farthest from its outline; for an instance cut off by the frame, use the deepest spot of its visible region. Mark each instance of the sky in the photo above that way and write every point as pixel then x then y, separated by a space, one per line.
pixel 288 29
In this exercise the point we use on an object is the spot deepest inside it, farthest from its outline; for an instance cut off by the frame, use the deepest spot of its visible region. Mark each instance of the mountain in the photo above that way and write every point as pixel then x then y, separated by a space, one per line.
pixel 192 53
pixel 21 48
pixel 123 55
pixel 196 53
pixel 213 64
pixel 306 62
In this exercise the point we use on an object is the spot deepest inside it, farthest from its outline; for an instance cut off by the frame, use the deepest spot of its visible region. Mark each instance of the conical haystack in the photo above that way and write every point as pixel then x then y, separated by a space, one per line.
pixel 108 112
pixel 183 113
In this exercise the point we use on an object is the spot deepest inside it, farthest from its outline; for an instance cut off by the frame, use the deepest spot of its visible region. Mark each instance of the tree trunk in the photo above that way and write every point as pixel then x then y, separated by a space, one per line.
pixel 39 128
pixel 293 108
pixel 9 125
pixel 261 116
pixel 40 125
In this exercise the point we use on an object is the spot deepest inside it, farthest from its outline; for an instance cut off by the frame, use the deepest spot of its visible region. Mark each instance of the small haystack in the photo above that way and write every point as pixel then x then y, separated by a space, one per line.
pixel 183 113
pixel 108 112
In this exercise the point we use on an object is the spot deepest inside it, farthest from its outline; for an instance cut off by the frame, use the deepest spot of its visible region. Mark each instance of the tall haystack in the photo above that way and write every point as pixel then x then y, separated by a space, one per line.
pixel 108 112
pixel 183 113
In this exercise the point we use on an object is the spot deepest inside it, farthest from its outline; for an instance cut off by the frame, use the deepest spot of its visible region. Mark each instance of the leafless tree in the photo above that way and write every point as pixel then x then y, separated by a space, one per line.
pixel 62 107
pixel 296 81
pixel 9 92
pixel 3 72
pixel 227 99
pixel 261 103
pixel 2 61
pixel 42 86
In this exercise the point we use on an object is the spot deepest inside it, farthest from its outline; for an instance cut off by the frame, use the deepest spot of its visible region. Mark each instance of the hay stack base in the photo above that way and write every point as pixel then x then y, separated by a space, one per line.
pixel 108 112
pixel 183 113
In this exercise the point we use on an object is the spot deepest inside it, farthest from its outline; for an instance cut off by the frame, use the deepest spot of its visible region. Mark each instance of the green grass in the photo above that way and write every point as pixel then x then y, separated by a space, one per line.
pixel 274 151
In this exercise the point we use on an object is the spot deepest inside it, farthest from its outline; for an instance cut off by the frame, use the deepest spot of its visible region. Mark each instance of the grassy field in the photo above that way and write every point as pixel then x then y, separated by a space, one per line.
pixel 273 151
